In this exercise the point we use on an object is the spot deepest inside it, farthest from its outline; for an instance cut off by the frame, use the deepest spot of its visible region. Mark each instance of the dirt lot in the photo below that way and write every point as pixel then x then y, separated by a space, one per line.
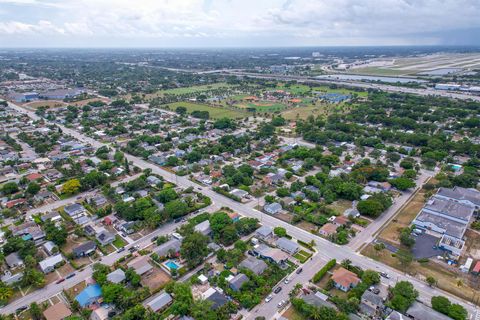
pixel 307 226
pixel 292 314
pixel 448 278
pixel 72 242
pixel 403 219
pixel 73 291
pixel 156 279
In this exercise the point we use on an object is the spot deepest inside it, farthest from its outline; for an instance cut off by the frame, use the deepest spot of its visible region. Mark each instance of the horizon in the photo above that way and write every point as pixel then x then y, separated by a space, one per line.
pixel 235 23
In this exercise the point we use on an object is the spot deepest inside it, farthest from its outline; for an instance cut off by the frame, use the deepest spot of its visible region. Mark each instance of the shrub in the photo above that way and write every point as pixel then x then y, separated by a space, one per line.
pixel 319 275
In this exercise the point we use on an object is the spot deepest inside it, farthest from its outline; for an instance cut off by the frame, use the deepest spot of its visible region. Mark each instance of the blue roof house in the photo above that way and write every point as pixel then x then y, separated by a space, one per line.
pixel 90 295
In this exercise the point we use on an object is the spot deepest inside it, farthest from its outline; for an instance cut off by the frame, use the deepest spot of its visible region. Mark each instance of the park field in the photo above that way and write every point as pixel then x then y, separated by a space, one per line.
pixel 215 112
pixel 188 90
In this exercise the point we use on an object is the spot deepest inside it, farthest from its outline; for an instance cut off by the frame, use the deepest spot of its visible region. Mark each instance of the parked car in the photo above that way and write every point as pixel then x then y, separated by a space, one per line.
pixel 385 275
pixel 60 280
pixel 121 249
pixel 286 281
pixel 20 309
pixel 277 289
pixel 374 290
pixel 299 270
pixel 269 298
pixel 281 304
pixel 154 238
pixel 71 275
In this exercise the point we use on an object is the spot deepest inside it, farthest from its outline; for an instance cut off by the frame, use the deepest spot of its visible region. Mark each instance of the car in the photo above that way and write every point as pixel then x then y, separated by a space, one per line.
pixel 20 309
pixel 281 304
pixel 132 249
pixel 199 188
pixel 60 280
pixel 71 275
pixel 374 290
pixel 299 270
pixel 385 275
pixel 121 249
pixel 277 290
pixel 286 281
pixel 268 298
pixel 154 238
pixel 123 234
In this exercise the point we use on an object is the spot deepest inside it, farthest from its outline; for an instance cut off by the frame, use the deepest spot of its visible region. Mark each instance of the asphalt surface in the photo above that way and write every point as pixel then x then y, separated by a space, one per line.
pixel 326 249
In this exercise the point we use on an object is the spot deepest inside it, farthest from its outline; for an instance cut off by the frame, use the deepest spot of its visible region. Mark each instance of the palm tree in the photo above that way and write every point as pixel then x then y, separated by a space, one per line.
pixel 5 292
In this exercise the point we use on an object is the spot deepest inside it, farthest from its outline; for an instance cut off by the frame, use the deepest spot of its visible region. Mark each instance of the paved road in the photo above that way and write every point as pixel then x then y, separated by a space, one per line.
pixel 364 85
pixel 369 233
pixel 326 249
pixel 54 288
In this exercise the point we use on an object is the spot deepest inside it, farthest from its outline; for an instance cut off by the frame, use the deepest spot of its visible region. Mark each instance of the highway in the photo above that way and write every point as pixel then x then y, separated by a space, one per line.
pixel 326 249
pixel 358 84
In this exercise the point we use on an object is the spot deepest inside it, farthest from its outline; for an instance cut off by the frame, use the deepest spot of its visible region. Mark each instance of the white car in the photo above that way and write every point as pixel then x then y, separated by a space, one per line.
pixel 268 298
pixel 286 281
pixel 281 304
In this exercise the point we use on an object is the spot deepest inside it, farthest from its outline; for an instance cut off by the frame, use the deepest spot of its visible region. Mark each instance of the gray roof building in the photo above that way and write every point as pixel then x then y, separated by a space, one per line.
pixel 273 208
pixel 203 228
pixel 237 281
pixel 74 209
pixel 160 302
pixel 13 260
pixel 172 245
pixel 116 276
pixel 419 311
pixel 287 245
pixel 253 264
pixel 264 232
pixel 85 249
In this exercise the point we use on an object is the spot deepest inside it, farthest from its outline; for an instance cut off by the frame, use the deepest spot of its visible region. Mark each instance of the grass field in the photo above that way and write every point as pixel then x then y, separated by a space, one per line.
pixel 326 89
pixel 188 90
pixel 215 112
pixel 295 89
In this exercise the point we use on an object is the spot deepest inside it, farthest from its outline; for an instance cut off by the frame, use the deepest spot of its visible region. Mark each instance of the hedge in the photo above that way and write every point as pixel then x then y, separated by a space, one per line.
pixel 319 275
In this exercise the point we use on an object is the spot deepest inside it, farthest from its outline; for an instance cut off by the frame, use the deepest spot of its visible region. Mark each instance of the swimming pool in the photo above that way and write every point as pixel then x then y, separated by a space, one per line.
pixel 171 265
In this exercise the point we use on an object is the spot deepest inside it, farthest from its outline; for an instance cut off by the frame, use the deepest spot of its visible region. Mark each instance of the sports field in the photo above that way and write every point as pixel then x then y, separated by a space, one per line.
pixel 215 112
pixel 188 90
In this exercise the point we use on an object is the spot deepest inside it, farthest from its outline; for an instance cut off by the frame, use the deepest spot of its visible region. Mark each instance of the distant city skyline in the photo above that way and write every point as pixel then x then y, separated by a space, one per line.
pixel 237 23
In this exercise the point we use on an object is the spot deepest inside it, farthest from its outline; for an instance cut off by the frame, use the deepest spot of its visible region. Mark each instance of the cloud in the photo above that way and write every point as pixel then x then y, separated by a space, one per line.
pixel 288 22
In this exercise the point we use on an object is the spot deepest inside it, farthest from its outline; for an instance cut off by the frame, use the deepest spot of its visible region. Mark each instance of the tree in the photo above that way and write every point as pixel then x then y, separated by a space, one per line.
pixel 33 188
pixel 10 188
pixel 457 312
pixel 441 304
pixel 35 311
pixel 403 295
pixel 431 281
pixel 406 237
pixel 405 257
pixel 167 195
pixel 57 235
pixel 176 208
pixel 370 208
pixel 183 297
pixel 118 156
pixel 127 166
pixel 194 248
pixel 71 186
pixel 33 277
pixel 218 221
pixel 280 231
pixel 181 110
pixel 402 183
pixel 370 277
pixel 6 292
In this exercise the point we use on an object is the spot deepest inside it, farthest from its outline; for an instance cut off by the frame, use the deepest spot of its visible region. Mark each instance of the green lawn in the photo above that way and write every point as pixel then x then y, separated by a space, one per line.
pixel 326 89
pixel 188 90
pixel 215 112
pixel 302 256
pixel 295 89
pixel 268 107
pixel 119 242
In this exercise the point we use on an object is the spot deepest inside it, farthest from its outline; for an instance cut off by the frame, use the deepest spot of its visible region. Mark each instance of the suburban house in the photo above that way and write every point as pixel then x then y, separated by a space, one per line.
pixel 274 255
pixel 203 228
pixel 217 298
pixel 371 304
pixel 49 247
pixel 140 265
pixel 13 260
pixel 236 282
pixel 105 237
pixel 317 299
pixel 171 246
pixel 264 232
pixel 84 249
pixel 100 314
pixel 116 276
pixel 160 302
pixel 287 245
pixel 344 279
pixel 328 229
pixel 89 296
pixel 75 211
pixel 58 311
pixel 419 311
pixel 273 208
pixel 253 264
pixel 49 264
pixel 128 227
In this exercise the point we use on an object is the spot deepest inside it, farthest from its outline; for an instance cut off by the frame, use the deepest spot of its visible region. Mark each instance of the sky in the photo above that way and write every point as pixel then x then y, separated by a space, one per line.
pixel 237 23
